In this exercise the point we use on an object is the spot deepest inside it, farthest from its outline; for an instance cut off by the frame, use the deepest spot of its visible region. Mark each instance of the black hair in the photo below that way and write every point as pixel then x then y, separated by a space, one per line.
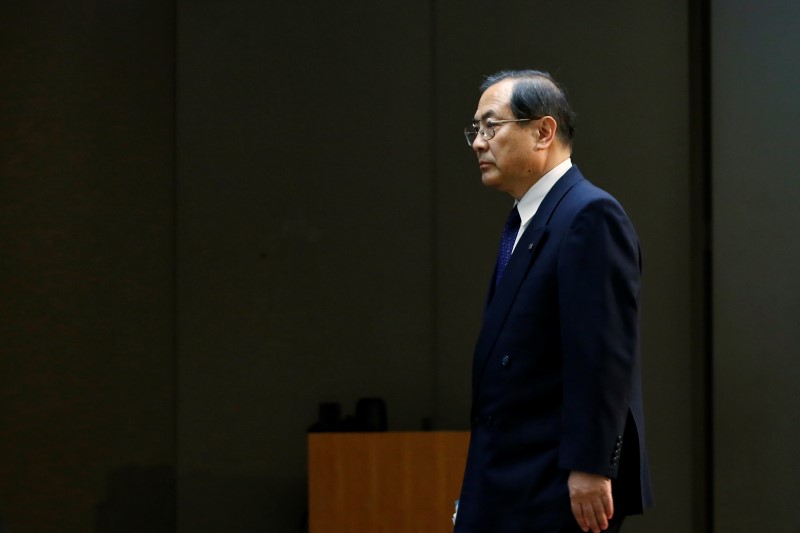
pixel 536 94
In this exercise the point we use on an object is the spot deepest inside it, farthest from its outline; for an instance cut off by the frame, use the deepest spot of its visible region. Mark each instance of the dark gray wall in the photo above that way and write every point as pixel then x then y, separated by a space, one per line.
pixel 86 275
pixel 305 240
pixel 626 69
pixel 335 241
pixel 756 80
pixel 178 308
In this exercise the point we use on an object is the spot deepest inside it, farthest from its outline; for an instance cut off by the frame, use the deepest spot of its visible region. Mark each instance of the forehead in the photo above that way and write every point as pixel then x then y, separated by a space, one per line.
pixel 495 100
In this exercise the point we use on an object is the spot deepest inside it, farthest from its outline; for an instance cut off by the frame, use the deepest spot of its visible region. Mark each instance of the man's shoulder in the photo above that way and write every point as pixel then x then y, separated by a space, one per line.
pixel 574 183
pixel 583 192
pixel 585 199
pixel 584 188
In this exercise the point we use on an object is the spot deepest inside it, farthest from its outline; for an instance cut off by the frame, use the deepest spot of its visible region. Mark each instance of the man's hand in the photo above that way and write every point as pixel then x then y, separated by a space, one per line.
pixel 591 500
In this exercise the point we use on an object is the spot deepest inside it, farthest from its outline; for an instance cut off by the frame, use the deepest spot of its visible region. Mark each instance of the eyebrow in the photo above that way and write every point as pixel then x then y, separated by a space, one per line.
pixel 487 114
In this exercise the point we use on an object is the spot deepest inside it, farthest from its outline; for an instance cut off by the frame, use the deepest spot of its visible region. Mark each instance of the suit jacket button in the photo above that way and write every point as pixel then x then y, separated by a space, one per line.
pixel 489 421
pixel 505 360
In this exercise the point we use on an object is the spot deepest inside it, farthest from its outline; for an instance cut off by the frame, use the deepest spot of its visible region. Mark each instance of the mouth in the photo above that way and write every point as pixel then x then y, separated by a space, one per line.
pixel 483 165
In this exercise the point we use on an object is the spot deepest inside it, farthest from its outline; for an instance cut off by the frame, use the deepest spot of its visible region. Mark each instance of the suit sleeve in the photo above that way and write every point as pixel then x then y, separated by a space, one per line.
pixel 598 282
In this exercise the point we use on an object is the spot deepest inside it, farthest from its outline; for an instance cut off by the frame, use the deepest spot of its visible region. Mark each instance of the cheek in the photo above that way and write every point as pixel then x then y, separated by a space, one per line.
pixel 519 165
pixel 522 164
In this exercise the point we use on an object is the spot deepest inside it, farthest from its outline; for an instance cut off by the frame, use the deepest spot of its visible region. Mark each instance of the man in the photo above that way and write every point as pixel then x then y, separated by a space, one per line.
pixel 557 442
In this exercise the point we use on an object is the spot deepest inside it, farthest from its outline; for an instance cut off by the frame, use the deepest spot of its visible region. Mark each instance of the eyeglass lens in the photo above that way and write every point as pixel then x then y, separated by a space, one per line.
pixel 471 132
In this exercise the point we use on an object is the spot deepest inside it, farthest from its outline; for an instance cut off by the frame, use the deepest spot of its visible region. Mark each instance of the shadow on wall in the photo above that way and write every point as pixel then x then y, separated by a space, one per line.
pixel 242 504
pixel 138 499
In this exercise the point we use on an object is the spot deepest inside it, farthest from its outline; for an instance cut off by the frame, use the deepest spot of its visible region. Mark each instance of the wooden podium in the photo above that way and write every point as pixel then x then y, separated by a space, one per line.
pixel 394 482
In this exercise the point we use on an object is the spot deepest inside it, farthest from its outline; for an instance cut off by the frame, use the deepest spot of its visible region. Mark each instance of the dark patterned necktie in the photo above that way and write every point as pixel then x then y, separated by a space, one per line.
pixel 507 243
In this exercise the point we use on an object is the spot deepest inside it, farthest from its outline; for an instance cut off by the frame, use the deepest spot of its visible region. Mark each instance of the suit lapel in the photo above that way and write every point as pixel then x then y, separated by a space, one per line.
pixel 528 247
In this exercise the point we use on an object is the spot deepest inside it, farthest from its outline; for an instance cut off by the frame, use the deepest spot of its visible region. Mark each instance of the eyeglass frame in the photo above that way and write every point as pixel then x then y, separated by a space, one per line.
pixel 490 125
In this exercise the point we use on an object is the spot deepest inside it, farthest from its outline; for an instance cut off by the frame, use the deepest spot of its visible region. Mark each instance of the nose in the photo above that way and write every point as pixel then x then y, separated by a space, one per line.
pixel 480 144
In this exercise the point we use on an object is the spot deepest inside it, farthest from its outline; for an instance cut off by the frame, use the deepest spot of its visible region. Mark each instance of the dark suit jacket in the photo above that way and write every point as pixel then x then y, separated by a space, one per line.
pixel 556 374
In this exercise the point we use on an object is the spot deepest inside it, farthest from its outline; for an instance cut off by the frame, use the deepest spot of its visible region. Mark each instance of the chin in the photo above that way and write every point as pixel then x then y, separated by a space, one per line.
pixel 489 180
pixel 492 181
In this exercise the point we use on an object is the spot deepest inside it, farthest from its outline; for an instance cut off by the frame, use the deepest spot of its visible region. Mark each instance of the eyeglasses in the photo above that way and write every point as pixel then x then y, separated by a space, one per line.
pixel 471 132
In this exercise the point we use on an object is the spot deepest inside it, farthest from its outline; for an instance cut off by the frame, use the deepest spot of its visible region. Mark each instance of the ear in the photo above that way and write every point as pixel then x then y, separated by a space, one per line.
pixel 546 132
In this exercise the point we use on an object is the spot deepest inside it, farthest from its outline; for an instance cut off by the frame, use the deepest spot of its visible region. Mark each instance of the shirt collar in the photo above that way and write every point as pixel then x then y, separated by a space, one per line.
pixel 532 199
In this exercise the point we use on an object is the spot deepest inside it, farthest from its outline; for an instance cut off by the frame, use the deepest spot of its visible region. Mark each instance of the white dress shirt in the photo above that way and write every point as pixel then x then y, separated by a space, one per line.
pixel 532 199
